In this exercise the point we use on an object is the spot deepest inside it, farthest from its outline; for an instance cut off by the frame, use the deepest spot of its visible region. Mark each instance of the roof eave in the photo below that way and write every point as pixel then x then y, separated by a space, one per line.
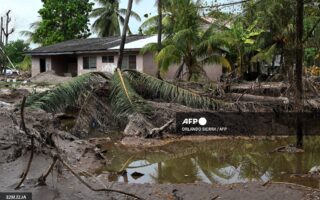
pixel 79 52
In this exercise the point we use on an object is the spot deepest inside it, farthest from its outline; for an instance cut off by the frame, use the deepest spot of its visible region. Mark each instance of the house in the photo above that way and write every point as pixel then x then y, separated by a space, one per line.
pixel 79 56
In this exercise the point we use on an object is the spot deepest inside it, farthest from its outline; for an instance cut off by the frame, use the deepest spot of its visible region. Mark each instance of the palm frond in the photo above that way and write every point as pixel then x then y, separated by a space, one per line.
pixel 170 92
pixel 66 94
pixel 151 47
pixel 133 14
pixel 217 59
pixel 265 55
pixel 124 100
pixel 167 56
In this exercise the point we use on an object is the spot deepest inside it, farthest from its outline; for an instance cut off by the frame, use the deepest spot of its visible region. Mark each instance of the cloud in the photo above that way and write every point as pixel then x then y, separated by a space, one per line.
pixel 25 12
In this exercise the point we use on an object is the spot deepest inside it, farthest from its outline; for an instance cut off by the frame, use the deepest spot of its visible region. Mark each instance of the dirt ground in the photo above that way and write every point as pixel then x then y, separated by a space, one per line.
pixel 81 155
pixel 62 185
pixel 49 78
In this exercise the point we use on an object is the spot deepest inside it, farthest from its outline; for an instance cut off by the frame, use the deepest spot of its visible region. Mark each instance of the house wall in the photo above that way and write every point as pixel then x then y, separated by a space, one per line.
pixel 35 63
pixel 149 64
pixel 103 67
pixel 107 67
pixel 213 71
pixel 145 63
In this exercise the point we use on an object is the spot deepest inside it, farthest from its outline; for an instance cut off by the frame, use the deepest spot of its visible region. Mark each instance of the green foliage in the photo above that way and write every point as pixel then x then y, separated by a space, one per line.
pixel 124 99
pixel 123 91
pixel 30 34
pixel 170 92
pixel 62 20
pixel 66 94
pixel 15 51
pixel 240 40
pixel 25 65
pixel 265 55
pixel 109 18
pixel 185 40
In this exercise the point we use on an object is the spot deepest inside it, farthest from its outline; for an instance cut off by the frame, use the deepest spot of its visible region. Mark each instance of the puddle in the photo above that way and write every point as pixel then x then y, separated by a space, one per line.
pixel 220 162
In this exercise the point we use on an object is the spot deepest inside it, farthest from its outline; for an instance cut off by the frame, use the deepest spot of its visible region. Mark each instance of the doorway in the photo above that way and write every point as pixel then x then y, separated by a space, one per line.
pixel 42 65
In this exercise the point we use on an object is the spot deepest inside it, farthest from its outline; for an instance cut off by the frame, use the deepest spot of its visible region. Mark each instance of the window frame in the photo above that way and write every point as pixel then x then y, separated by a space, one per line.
pixel 134 63
pixel 107 59
pixel 91 64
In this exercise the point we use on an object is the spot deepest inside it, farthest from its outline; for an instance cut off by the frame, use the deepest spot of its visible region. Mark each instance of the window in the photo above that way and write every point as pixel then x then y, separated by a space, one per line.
pixel 132 62
pixel 129 62
pixel 108 59
pixel 90 62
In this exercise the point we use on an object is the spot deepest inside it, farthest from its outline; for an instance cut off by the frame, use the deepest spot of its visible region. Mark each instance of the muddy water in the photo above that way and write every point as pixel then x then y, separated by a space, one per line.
pixel 217 162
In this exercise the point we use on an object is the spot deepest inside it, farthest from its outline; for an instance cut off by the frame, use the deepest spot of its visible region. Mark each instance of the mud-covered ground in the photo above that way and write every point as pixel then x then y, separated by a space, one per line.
pixel 82 155
pixel 62 185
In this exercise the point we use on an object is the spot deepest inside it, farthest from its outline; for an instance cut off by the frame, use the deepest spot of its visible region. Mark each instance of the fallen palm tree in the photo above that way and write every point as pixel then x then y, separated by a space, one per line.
pixel 125 93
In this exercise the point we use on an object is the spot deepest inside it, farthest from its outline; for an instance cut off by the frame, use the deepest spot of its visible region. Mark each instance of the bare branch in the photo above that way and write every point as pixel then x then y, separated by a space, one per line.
pixel 32 143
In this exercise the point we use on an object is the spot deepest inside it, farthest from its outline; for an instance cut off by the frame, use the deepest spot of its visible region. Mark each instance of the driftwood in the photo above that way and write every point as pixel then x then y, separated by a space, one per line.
pixel 56 157
pixel 312 103
pixel 25 173
pixel 259 99
pixel 158 132
pixel 272 89
pixel 138 126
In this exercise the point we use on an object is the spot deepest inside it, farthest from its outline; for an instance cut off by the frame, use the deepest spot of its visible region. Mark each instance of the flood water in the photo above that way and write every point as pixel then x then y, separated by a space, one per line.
pixel 216 162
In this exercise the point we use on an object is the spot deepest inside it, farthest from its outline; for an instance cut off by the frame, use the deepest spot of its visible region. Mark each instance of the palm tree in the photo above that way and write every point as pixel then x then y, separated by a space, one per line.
pixel 110 17
pixel 298 69
pixel 159 2
pixel 30 34
pixel 186 43
pixel 124 91
pixel 124 34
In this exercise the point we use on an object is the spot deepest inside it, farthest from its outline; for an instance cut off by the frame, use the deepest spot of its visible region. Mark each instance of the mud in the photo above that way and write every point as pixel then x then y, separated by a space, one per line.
pixel 84 156
pixel 49 77
pixel 62 185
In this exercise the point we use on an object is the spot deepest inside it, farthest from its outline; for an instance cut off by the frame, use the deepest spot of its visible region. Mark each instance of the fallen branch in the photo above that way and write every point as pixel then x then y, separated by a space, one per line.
pixel 260 99
pixel 158 132
pixel 42 179
pixel 32 143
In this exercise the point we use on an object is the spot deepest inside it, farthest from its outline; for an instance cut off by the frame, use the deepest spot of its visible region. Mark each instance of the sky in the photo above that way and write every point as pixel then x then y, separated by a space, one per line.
pixel 24 12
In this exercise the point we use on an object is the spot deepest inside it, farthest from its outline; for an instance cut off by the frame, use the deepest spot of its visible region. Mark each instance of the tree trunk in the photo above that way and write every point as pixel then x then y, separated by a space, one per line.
pixel 299 52
pixel 298 69
pixel 159 33
pixel 124 33
pixel 179 72
pixel 1 32
pixel 259 99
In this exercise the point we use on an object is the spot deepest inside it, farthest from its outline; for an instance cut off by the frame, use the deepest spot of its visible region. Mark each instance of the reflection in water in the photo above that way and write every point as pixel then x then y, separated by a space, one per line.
pixel 222 162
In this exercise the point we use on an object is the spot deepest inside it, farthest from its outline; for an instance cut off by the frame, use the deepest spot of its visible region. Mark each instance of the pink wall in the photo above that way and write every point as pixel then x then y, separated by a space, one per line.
pixel 145 63
pixel 149 66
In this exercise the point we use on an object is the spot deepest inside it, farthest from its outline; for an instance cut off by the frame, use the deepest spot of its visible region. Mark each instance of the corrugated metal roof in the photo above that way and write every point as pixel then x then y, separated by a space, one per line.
pixel 139 44
pixel 89 45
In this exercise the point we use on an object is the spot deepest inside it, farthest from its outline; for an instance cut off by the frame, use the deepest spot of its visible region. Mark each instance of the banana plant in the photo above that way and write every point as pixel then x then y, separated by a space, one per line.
pixel 241 40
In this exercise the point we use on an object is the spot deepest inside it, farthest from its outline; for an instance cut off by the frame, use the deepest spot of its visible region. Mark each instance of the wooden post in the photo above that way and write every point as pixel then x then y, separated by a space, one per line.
pixel 298 70
pixel 1 27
